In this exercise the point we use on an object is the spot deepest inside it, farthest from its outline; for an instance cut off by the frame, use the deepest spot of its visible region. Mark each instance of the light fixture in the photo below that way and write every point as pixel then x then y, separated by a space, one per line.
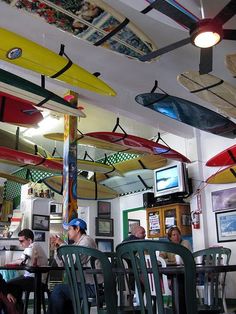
pixel 206 34
pixel 47 124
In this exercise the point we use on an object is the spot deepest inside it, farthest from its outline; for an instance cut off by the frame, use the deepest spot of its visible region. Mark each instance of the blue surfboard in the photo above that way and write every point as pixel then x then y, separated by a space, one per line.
pixel 189 113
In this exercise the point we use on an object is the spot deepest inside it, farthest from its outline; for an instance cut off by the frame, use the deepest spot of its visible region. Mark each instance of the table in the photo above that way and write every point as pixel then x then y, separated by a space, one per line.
pixel 177 274
pixel 38 271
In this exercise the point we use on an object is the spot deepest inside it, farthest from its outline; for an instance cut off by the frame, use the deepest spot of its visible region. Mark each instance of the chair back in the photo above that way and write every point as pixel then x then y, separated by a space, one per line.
pixel 136 251
pixel 73 257
pixel 213 283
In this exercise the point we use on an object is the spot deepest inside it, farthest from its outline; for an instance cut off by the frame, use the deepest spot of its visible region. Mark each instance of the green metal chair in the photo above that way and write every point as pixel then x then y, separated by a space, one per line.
pixel 211 286
pixel 136 251
pixel 72 257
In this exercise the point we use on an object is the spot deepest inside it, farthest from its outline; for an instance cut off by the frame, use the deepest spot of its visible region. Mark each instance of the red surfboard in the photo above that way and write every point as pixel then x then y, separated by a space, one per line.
pixel 19 158
pixel 131 142
pixel 18 111
pixel 225 158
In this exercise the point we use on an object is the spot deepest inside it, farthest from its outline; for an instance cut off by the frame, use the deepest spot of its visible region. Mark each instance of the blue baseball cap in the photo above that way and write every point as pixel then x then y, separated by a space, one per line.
pixel 75 222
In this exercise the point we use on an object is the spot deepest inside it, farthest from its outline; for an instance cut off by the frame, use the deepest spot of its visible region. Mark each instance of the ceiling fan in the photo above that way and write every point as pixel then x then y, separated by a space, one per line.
pixel 196 27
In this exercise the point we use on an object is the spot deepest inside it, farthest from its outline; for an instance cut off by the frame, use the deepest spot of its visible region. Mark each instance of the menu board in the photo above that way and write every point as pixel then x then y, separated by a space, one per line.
pixel 154 223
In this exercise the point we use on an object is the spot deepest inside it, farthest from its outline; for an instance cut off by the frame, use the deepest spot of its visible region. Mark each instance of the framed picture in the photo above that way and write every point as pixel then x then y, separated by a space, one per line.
pixel 104 209
pixel 39 236
pixel 105 245
pixel 104 227
pixel 40 222
pixel 132 223
pixel 226 226
pixel 223 199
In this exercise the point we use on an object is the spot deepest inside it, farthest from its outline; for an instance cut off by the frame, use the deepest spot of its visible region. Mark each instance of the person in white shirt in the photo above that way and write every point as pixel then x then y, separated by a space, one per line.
pixel 33 255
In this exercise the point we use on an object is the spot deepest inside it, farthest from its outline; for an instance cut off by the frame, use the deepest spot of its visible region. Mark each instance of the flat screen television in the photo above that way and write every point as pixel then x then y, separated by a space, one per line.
pixel 171 179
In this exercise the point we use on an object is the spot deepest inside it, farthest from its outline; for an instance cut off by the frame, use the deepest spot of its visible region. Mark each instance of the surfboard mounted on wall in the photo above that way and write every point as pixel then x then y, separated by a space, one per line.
pixel 225 158
pixel 13 178
pixel 39 96
pixel 227 175
pixel 25 53
pixel 138 143
pixel 212 89
pixel 230 61
pixel 148 161
pixel 94 21
pixel 189 113
pixel 18 111
pixel 85 189
pixel 119 142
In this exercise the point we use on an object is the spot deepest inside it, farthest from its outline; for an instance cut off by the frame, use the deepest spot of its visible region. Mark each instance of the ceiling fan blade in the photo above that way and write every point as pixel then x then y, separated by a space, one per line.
pixel 229 34
pixel 226 13
pixel 176 12
pixel 161 51
pixel 206 57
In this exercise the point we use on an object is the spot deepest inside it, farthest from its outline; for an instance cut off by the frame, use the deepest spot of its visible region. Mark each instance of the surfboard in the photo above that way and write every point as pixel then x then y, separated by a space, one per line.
pixel 23 52
pixel 133 181
pixel 143 162
pixel 189 113
pixel 13 178
pixel 138 143
pixel 9 140
pixel 95 142
pixel 15 110
pixel 230 61
pixel 227 175
pixel 212 89
pixel 93 21
pixel 21 159
pixel 89 165
pixel 225 158
pixel 40 97
pixel 85 189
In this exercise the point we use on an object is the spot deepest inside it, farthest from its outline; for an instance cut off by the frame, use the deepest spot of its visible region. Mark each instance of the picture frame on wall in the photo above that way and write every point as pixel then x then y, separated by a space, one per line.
pixel 223 199
pixel 104 209
pixel 104 227
pixel 226 226
pixel 39 236
pixel 132 223
pixel 40 222
pixel 105 245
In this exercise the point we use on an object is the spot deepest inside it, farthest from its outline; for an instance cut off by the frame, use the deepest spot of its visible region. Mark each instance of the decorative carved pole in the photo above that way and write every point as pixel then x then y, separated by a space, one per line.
pixel 70 162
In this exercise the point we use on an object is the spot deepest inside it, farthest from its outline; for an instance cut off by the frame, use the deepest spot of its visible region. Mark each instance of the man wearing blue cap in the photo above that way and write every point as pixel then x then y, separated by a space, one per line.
pixel 60 299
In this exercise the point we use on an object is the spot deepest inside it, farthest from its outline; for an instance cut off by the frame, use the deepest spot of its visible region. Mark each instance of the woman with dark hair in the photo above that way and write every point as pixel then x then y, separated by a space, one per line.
pixel 174 235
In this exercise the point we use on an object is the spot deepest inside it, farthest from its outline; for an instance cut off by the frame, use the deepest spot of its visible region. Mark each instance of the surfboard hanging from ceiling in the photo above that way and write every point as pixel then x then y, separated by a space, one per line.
pixel 188 112
pixel 41 97
pixel 224 176
pixel 212 89
pixel 225 158
pixel 93 21
pixel 23 52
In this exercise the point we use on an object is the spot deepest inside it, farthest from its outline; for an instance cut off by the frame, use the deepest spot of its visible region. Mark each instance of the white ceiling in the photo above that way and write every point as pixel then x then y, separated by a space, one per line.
pixel 128 77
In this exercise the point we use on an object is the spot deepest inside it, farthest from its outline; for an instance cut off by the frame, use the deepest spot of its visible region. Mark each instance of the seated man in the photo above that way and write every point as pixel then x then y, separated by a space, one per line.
pixel 60 300
pixel 137 233
pixel 33 255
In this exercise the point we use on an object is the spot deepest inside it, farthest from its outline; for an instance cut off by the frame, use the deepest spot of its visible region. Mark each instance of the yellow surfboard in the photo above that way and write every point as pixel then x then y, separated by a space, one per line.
pixel 85 189
pixel 212 89
pixel 13 178
pixel 227 175
pixel 27 54
pixel 150 162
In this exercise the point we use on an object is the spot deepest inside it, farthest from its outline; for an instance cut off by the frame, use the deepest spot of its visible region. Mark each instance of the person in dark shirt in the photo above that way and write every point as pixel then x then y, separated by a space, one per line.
pixel 7 300
pixel 137 233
